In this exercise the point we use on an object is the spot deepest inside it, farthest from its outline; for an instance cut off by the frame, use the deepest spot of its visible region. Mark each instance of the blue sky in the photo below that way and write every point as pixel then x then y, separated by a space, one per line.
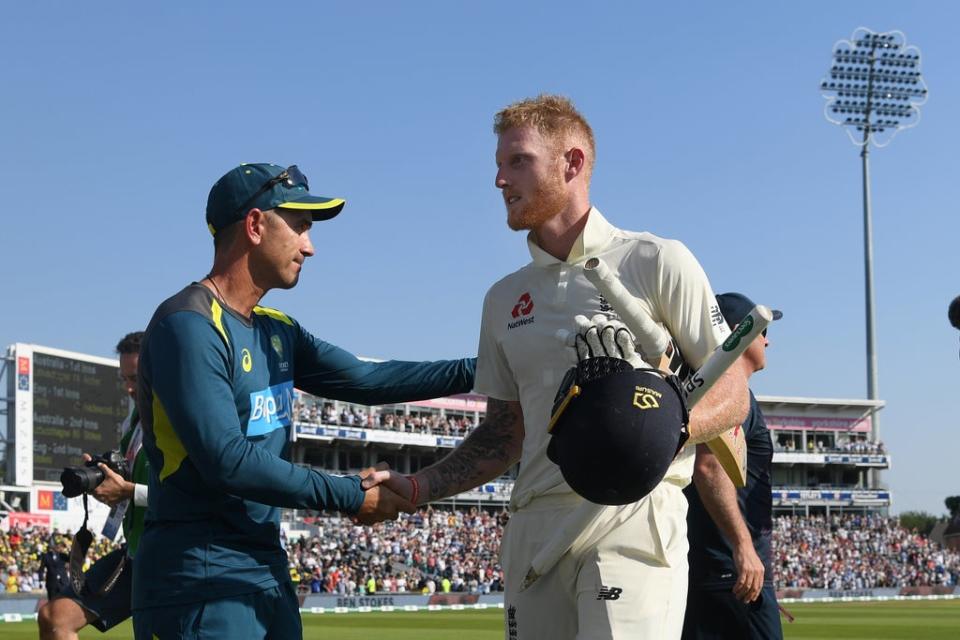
pixel 116 118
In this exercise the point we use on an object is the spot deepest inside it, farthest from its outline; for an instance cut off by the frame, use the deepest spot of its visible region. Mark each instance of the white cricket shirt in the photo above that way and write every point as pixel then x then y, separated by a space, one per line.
pixel 521 358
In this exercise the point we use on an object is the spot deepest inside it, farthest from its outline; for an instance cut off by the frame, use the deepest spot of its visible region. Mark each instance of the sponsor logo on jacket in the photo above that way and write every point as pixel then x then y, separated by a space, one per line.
pixel 270 408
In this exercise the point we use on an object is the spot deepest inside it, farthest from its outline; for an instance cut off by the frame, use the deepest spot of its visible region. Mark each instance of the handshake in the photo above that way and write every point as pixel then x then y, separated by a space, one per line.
pixel 386 494
pixel 599 341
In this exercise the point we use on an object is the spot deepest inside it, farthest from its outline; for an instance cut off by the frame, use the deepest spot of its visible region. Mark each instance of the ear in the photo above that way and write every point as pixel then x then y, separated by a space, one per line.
pixel 576 163
pixel 254 225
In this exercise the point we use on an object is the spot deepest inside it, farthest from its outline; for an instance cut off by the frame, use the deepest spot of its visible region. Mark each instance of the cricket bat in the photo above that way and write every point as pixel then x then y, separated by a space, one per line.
pixel 652 340
pixel 730 447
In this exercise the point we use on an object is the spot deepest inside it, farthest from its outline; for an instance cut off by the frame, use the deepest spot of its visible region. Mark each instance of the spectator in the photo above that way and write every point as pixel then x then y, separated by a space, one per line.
pixel 53 567
pixel 857 551
pixel 416 552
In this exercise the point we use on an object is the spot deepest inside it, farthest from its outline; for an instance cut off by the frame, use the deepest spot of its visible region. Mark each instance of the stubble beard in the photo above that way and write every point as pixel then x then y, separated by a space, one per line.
pixel 548 200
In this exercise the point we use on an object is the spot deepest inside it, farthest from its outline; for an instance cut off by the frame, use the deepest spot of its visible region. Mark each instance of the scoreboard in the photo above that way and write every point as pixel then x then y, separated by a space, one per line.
pixel 65 404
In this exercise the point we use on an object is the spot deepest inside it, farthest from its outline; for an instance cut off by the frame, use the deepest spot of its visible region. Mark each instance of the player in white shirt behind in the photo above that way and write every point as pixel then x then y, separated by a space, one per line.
pixel 628 578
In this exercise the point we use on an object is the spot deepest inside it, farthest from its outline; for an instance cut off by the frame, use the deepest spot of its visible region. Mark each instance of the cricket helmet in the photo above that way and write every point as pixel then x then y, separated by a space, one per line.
pixel 615 430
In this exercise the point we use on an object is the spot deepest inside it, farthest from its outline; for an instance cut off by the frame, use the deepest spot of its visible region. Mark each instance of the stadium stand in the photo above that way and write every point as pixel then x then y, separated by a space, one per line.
pixel 857 551
pixel 435 550
pixel 425 552
pixel 20 551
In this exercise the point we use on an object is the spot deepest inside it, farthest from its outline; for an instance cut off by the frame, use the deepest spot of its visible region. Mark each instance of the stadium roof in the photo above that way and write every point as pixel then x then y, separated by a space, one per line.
pixel 831 403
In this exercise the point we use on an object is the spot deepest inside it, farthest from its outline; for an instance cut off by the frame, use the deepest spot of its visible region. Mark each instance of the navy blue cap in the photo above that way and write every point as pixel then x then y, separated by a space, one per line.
pixel 243 188
pixel 736 306
pixel 953 312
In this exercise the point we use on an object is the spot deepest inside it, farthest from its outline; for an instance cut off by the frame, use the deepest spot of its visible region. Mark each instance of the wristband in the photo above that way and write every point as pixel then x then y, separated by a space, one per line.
pixel 416 489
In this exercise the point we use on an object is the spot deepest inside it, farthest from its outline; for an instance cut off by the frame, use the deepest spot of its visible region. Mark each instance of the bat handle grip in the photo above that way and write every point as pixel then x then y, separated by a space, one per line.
pixel 648 335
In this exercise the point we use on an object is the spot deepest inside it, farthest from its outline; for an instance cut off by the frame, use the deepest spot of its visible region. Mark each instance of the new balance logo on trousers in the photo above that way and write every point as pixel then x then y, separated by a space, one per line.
pixel 609 593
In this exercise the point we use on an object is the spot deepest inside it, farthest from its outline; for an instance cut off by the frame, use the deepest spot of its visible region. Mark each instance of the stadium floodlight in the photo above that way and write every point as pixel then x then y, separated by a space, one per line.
pixel 874 89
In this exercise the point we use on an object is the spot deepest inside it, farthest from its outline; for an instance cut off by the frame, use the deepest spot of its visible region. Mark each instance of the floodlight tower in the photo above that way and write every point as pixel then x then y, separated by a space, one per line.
pixel 874 90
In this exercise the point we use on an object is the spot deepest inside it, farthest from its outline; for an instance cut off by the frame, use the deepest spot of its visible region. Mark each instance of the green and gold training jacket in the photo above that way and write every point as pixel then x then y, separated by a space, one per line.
pixel 216 394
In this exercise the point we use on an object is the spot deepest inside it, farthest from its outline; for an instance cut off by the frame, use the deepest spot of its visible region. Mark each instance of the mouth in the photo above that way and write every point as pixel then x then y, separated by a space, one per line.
pixel 511 199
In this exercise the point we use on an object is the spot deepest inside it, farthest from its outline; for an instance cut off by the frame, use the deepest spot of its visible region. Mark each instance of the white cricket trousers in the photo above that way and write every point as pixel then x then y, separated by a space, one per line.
pixel 632 584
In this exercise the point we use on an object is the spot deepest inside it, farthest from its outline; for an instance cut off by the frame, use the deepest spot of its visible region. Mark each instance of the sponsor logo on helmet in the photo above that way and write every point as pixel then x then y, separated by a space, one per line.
pixel 646 398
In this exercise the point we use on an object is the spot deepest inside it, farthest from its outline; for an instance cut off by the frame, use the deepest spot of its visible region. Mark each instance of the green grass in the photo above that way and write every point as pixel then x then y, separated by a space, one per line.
pixel 909 620
pixel 914 620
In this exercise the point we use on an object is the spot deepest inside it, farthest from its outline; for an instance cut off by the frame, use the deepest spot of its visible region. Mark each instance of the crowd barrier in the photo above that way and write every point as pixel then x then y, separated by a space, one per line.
pixel 20 607
pixel 867 595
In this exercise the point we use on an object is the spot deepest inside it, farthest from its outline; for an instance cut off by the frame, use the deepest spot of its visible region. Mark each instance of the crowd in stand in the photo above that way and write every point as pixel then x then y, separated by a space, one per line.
pixel 787 445
pixel 852 551
pixel 20 551
pixel 312 410
pixel 458 551
pixel 315 411
pixel 425 552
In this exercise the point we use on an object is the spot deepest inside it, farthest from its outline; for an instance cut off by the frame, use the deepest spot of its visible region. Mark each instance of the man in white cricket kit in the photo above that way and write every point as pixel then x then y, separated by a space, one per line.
pixel 626 578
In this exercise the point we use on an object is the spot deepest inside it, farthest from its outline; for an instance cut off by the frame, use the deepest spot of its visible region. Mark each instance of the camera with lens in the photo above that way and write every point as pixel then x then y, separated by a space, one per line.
pixel 77 480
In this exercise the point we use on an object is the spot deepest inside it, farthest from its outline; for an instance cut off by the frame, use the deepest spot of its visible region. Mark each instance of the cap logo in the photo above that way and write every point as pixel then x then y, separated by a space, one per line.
pixel 646 398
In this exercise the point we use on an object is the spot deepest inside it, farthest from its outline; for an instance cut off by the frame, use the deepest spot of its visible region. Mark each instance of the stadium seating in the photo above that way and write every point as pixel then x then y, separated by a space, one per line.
pixel 435 550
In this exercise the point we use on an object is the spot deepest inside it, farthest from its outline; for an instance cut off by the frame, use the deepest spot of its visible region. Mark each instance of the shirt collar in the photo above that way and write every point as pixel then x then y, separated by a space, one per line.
pixel 595 235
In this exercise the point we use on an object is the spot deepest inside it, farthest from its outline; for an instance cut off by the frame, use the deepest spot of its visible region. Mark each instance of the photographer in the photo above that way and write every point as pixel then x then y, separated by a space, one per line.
pixel 104 599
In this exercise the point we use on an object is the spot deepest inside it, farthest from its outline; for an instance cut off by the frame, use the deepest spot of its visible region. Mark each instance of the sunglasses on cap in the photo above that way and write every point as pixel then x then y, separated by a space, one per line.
pixel 291 176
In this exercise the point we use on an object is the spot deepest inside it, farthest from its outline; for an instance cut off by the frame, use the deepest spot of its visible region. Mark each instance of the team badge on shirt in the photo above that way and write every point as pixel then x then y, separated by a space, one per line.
pixel 607 308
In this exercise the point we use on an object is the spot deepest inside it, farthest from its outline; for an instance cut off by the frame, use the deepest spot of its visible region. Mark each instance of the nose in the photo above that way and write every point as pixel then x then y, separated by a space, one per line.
pixel 306 247
pixel 500 181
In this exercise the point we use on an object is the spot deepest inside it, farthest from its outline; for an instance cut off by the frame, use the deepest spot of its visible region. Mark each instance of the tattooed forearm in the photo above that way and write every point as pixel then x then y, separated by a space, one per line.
pixel 486 453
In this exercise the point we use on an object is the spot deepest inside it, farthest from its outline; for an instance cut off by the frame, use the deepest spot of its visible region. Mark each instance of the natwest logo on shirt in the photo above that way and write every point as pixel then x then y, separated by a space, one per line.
pixel 524 306
pixel 522 311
